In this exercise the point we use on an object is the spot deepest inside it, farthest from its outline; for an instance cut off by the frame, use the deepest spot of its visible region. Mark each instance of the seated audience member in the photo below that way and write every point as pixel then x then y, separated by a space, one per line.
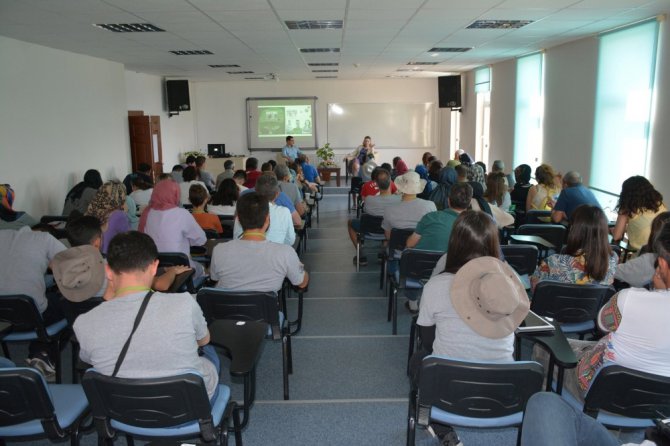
pixel 434 170
pixel 228 172
pixel 587 257
pixel 482 164
pixel 434 229
pixel 461 173
pixel 499 166
pixel 143 171
pixel 270 262
pixel 131 212
pixel 636 322
pixel 266 167
pixel 639 203
pixel 399 168
pixel 371 188
pixel 177 170
pixel 522 184
pixel 475 171
pixel 446 178
pixel 366 169
pixel 573 195
pixel 496 191
pixel 203 175
pixel 475 304
pixel 190 175
pixel 544 194
pixel 27 255
pixel 172 228
pixel 407 213
pixel 308 188
pixel 9 218
pixel 281 199
pixel 638 272
pixel 289 188
pixel 549 420
pixel 82 193
pixel 308 170
pixel 424 160
pixel 190 161
pixel 252 172
pixel 171 330
pixel 141 193
pixel 423 173
pixel 240 178
pixel 168 176
pixel 198 197
pixel 273 164
pixel 109 207
pixel 224 199
pixel 290 151
pixel 374 205
pixel 281 222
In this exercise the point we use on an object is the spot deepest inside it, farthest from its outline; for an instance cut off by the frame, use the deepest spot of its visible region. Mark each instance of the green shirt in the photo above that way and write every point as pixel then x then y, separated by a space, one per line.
pixel 435 229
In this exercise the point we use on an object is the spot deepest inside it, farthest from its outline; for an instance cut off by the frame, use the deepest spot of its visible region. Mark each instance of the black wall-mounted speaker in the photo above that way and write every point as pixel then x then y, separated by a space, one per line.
pixel 176 92
pixel 449 91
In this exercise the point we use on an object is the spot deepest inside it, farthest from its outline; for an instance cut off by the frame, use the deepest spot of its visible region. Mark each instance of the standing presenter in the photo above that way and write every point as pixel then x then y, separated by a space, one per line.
pixel 360 155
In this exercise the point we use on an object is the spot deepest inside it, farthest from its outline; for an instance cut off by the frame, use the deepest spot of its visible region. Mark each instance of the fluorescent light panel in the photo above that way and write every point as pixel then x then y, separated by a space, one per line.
pixel 324 64
pixel 191 52
pixel 449 50
pixel 325 71
pixel 498 24
pixel 129 27
pixel 225 66
pixel 240 72
pixel 313 24
pixel 319 50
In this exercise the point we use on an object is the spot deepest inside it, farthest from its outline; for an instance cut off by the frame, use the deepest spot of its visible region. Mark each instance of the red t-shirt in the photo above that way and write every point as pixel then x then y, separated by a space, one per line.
pixel 252 176
pixel 371 188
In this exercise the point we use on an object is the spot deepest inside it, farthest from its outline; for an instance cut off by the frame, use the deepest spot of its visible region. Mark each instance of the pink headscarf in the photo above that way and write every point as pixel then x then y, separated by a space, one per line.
pixel 166 195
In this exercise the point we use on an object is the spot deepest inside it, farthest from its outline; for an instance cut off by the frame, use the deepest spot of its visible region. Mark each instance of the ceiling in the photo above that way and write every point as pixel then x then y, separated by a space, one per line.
pixel 377 40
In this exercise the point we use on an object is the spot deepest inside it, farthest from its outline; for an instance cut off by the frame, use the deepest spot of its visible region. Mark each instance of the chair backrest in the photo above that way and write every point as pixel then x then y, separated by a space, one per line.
pixel 523 258
pixel 476 390
pixel 211 233
pixel 47 219
pixel 568 302
pixel 628 393
pixel 241 306
pixel 150 403
pixel 25 398
pixel 398 241
pixel 227 223
pixel 534 215
pixel 73 310
pixel 20 311
pixel 167 259
pixel 554 234
pixel 356 184
pixel 371 224
pixel 417 265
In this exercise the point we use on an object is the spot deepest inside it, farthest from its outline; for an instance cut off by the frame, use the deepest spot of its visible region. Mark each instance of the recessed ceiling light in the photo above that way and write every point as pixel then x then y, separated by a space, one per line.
pixel 313 24
pixel 190 52
pixel 325 71
pixel 319 50
pixel 422 63
pixel 448 50
pixel 130 27
pixel 498 24
pixel 324 64
pixel 240 72
pixel 225 66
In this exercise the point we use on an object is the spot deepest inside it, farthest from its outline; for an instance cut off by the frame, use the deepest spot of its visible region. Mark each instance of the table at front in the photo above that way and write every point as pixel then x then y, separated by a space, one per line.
pixel 331 170
pixel 241 342
pixel 560 352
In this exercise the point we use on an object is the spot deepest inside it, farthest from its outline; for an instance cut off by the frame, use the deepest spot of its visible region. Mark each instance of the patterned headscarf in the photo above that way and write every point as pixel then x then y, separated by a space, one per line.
pixel 110 197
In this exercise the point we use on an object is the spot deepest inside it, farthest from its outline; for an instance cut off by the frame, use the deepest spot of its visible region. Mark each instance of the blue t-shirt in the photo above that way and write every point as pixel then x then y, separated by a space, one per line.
pixel 282 199
pixel 310 172
pixel 291 152
pixel 573 197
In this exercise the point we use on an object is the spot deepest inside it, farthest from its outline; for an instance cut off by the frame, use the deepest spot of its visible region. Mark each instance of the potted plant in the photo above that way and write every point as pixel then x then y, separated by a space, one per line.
pixel 195 153
pixel 326 156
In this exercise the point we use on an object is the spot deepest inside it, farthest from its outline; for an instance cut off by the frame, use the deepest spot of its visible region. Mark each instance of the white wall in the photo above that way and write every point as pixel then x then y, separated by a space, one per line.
pixel 468 115
pixel 660 152
pixel 221 108
pixel 503 104
pixel 61 113
pixel 145 92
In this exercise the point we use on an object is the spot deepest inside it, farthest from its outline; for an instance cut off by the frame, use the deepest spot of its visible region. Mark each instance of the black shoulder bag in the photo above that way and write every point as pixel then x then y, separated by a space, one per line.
pixel 138 318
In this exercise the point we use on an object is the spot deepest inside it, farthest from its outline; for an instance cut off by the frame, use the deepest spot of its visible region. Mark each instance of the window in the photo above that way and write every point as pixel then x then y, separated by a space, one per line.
pixel 529 110
pixel 624 91
pixel 483 94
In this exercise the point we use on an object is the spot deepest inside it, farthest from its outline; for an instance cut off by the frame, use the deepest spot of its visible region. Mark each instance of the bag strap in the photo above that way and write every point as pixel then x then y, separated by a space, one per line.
pixel 138 318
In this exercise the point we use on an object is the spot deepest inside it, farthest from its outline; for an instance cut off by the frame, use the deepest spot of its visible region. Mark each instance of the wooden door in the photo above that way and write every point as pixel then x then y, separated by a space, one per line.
pixel 145 142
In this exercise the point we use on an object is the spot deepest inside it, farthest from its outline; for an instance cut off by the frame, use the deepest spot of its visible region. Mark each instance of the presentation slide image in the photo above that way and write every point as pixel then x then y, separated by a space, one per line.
pixel 271 121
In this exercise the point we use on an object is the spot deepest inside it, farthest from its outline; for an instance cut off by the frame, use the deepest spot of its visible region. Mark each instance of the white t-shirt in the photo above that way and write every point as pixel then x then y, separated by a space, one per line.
pixel 185 186
pixel 453 337
pixel 141 197
pixel 220 209
pixel 281 226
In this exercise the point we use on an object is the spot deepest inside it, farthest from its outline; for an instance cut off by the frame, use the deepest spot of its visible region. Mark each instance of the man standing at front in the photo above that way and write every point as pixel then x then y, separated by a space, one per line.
pixel 290 151
pixel 169 332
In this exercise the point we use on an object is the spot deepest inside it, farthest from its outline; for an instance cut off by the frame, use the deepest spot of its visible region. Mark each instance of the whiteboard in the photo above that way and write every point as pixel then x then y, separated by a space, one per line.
pixel 391 125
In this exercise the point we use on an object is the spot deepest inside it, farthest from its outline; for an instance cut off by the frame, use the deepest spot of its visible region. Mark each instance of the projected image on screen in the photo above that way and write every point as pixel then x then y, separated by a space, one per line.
pixel 284 120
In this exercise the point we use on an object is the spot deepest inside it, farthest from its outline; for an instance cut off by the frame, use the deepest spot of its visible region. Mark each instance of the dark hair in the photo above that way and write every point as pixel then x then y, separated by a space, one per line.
pixel 251 164
pixel 273 163
pixel 199 161
pixel 288 138
pixel 465 159
pixel 386 166
pixel 240 174
pixel 141 183
pixel 252 210
pixel 638 195
pixel 93 179
pixel 227 194
pixel 197 195
pixel 131 251
pixel 588 237
pixel 266 167
pixel 228 164
pixel 189 174
pixel 143 167
pixel 461 171
pixel 302 158
pixel 544 174
pixel 424 157
pixel 460 195
pixel 83 230
pixel 46 227
pixel 482 165
pixel 656 225
pixel 522 174
pixel 165 176
pixel 383 179
pixel 177 168
pixel 474 235
pixel 395 160
pixel 267 186
pixel 434 169
pixel 190 159
pixel 495 187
